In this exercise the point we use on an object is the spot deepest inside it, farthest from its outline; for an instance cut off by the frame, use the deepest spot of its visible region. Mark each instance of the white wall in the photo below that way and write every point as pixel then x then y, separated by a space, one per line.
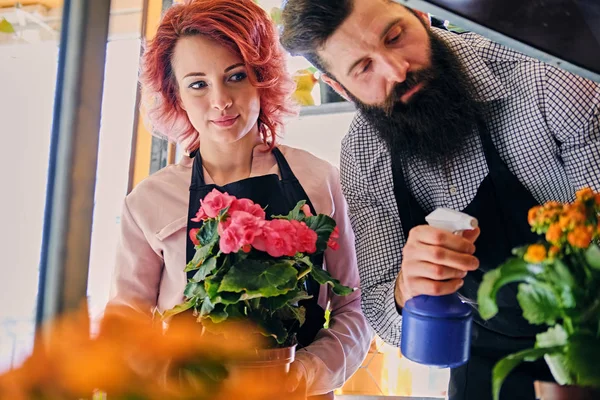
pixel 319 134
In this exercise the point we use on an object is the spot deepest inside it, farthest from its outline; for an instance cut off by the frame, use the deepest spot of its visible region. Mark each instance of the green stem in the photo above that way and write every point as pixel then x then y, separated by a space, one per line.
pixel 581 259
pixel 568 324
pixel 303 274
pixel 590 312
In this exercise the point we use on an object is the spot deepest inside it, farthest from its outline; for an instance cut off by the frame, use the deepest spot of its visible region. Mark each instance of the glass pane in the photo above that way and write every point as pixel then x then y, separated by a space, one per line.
pixel 117 126
pixel 28 67
pixel 28 63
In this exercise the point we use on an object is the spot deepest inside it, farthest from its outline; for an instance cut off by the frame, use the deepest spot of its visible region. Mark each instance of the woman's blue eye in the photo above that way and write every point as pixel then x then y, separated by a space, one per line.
pixel 240 76
pixel 197 85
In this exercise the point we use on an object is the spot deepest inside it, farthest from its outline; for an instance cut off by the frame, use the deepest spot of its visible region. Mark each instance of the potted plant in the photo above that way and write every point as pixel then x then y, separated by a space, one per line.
pixel 253 270
pixel 560 289
pixel 126 360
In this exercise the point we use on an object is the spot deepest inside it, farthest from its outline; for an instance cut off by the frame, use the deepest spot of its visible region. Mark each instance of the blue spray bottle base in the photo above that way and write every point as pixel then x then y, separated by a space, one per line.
pixel 436 331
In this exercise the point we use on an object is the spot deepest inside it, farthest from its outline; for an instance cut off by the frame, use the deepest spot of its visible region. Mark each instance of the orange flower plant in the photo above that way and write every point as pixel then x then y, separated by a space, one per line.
pixel 135 358
pixel 560 289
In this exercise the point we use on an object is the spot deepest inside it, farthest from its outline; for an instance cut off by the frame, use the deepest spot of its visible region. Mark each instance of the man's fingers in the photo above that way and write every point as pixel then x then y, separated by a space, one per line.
pixel 443 257
pixel 429 235
pixel 472 234
pixel 435 288
pixel 433 271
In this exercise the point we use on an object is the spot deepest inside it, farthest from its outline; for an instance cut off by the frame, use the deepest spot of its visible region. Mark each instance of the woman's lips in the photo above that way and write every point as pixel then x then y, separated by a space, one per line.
pixel 225 122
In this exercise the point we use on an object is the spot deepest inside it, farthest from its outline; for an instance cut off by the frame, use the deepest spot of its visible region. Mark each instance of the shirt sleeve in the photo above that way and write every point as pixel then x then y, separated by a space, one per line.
pixel 572 110
pixel 138 268
pixel 379 242
pixel 338 351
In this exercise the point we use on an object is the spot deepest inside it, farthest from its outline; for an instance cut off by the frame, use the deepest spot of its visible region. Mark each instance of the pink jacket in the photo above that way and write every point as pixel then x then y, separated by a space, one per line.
pixel 151 258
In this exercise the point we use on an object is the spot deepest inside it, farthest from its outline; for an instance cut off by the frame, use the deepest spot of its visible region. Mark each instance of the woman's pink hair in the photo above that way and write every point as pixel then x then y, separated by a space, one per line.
pixel 243 27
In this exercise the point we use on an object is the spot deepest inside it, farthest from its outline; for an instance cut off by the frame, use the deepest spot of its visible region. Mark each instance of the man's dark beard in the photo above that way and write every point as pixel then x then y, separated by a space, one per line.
pixel 435 123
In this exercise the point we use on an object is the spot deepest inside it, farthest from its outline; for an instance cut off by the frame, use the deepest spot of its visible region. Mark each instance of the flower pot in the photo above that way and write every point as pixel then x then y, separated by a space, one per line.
pixel 554 391
pixel 263 365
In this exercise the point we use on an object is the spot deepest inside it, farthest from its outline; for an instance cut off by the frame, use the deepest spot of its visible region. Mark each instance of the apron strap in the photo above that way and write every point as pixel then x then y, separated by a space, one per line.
pixel 282 164
pixel 492 157
pixel 197 170
pixel 408 207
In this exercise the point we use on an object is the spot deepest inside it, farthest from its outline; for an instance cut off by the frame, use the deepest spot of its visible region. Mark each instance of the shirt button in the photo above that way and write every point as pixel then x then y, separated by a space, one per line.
pixel 453 190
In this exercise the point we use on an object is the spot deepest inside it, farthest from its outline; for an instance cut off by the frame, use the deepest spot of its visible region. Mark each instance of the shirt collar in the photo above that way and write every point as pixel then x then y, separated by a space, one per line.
pixel 487 85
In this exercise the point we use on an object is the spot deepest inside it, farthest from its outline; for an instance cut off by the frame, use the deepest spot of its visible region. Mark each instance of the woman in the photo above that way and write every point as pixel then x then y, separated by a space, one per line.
pixel 215 82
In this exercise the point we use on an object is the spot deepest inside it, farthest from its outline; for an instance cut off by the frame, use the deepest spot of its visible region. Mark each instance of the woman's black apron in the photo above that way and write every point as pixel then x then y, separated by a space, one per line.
pixel 278 197
pixel 501 206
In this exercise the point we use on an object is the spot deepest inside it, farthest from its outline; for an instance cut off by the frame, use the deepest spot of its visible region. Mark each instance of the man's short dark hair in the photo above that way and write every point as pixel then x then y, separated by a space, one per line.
pixel 308 24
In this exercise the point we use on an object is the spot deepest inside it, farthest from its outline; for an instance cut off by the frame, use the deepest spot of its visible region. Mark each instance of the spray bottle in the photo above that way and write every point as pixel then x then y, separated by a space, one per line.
pixel 436 330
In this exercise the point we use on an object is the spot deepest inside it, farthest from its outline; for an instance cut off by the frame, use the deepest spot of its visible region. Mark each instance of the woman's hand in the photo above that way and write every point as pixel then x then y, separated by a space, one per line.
pixel 296 380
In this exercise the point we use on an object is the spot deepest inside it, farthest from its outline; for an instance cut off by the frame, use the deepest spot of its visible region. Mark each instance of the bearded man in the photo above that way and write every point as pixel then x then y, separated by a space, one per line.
pixel 446 120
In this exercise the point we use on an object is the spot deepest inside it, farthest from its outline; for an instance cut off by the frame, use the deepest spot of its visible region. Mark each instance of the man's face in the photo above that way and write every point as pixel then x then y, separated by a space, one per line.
pixel 379 46
pixel 404 79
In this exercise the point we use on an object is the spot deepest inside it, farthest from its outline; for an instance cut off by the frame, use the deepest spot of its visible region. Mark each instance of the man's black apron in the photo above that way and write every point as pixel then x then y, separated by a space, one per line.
pixel 501 206
pixel 278 197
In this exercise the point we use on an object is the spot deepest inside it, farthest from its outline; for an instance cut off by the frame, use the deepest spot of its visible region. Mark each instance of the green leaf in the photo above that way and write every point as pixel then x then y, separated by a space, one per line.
pixel 296 213
pixel 207 267
pixel 203 370
pixel 515 269
pixel 323 225
pixel 508 363
pixel 5 26
pixel 218 314
pixel 273 328
pixel 554 336
pixel 201 254
pixel 583 353
pixel 228 298
pixel 563 280
pixel 207 307
pixel 559 366
pixel 323 277
pixel 564 275
pixel 179 308
pixel 308 265
pixel 592 255
pixel 539 303
pixel 211 285
pixel 208 233
pixel 292 313
pixel 194 290
pixel 558 363
pixel 292 297
pixel 255 277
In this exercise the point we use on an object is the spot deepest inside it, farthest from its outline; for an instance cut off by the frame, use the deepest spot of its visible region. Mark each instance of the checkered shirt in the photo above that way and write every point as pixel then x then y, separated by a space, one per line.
pixel 544 122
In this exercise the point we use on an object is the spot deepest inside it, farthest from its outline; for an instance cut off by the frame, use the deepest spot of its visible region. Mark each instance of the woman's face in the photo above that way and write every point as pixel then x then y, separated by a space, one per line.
pixel 214 90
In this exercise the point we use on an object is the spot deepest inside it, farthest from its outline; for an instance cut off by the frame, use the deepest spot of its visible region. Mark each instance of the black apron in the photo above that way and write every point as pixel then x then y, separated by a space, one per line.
pixel 501 206
pixel 278 197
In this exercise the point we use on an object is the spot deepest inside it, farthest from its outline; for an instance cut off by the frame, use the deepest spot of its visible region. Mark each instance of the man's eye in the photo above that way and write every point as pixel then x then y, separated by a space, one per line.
pixel 366 67
pixel 394 38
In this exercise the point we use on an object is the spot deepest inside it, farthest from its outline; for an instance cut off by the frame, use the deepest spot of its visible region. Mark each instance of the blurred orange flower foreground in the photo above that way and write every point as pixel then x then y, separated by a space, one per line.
pixel 134 357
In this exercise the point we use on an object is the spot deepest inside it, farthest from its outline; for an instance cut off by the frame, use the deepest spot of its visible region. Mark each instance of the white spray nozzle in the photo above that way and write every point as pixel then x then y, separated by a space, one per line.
pixel 450 220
